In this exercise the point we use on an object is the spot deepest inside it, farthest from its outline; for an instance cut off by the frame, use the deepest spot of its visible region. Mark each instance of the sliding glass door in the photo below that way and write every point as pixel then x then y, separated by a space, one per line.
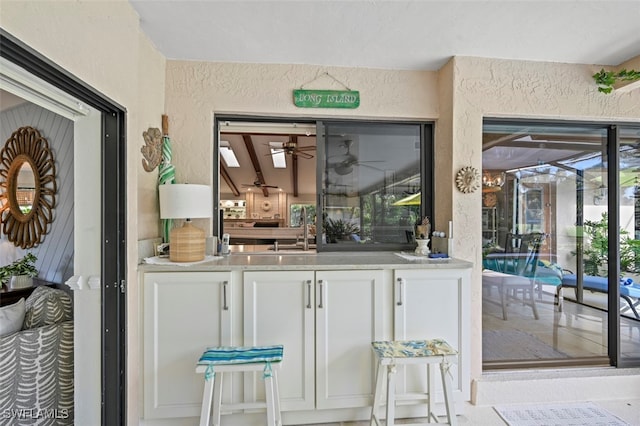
pixel 629 247
pixel 553 180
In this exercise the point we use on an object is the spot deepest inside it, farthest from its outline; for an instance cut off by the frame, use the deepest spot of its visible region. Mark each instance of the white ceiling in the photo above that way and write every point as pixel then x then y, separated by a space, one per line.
pixel 393 34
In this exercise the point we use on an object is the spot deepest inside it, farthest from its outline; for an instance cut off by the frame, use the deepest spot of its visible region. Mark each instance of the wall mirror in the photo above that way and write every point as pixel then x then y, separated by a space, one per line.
pixel 27 187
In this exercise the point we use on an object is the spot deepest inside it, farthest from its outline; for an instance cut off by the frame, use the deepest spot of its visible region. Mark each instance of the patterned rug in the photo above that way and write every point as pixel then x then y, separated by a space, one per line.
pixel 503 345
pixel 572 414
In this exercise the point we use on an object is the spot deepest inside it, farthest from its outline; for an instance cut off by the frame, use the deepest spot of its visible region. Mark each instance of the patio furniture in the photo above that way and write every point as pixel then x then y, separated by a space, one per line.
pixel 629 293
pixel 515 270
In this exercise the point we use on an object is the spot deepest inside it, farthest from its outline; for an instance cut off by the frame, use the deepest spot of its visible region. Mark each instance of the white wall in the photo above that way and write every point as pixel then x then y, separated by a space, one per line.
pixel 101 44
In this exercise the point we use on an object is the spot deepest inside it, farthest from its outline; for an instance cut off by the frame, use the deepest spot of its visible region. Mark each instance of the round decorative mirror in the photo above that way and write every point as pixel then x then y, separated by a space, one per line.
pixel 27 187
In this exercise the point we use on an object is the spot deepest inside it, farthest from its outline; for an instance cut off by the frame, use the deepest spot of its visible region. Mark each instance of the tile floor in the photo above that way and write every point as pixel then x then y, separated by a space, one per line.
pixel 626 410
pixel 579 331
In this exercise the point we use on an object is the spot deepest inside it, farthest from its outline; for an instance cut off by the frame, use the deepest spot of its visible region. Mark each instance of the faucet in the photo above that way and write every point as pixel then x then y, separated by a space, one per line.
pixel 305 231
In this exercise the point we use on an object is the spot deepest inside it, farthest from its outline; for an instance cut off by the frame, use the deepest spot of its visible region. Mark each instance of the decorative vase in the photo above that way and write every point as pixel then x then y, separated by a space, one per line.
pixel 423 247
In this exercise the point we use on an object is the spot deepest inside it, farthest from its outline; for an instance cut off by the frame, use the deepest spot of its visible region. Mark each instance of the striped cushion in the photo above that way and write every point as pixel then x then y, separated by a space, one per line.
pixel 241 355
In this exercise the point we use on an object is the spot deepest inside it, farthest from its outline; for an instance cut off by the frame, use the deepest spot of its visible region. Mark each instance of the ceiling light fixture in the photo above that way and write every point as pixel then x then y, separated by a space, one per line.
pixel 228 155
pixel 278 156
pixel 493 179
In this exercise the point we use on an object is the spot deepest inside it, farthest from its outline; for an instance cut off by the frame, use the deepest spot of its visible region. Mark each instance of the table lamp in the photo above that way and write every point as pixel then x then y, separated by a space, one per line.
pixel 186 201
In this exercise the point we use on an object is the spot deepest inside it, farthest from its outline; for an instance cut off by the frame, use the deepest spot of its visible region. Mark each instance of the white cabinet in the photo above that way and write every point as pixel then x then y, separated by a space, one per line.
pixel 348 318
pixel 279 309
pixel 183 314
pixel 326 321
pixel 434 304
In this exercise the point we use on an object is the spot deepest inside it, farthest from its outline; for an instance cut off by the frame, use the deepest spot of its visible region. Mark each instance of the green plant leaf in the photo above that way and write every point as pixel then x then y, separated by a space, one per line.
pixel 606 79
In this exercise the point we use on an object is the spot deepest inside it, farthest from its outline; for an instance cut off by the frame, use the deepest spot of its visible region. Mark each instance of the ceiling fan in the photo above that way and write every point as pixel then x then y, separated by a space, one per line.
pixel 345 164
pixel 256 183
pixel 291 148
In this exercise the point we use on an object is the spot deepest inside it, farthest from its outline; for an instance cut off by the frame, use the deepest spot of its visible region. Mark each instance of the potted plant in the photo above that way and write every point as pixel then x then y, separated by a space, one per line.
pixel 338 229
pixel 24 269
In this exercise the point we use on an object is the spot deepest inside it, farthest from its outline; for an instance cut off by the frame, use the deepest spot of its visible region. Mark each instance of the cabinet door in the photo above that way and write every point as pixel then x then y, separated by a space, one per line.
pixel 434 304
pixel 279 309
pixel 348 319
pixel 184 312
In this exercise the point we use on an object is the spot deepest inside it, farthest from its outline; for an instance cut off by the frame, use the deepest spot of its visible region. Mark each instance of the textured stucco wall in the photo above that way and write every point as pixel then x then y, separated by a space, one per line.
pixel 197 90
pixel 101 44
pixel 503 88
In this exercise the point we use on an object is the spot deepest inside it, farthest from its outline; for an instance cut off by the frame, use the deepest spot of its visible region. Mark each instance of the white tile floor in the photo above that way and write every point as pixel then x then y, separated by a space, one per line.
pixel 626 410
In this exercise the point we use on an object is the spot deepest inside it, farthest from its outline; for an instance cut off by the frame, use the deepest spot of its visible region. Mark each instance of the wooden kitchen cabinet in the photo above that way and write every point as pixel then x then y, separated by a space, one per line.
pixel 279 309
pixel 428 306
pixel 326 321
pixel 348 318
pixel 183 314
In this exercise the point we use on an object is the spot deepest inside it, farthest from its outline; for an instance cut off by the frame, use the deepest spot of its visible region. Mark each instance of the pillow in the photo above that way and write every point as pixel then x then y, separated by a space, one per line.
pixel 47 306
pixel 11 318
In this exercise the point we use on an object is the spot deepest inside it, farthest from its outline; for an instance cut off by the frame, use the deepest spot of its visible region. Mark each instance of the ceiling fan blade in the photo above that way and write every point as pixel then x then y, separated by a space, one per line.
pixel 371 167
pixel 303 155
pixel 306 148
pixel 268 186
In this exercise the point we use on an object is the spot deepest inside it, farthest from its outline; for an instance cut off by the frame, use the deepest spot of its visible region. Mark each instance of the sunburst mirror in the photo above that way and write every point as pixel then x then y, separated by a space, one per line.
pixel 27 187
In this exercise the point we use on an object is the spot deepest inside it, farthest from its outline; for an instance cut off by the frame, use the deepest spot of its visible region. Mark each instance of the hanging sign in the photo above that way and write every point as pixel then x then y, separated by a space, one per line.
pixel 326 98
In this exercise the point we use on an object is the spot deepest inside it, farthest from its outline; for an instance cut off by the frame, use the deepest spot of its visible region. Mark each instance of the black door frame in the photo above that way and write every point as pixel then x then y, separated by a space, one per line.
pixel 113 231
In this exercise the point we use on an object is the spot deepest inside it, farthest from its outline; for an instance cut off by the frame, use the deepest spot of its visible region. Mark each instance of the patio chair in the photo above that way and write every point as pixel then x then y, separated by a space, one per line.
pixel 516 270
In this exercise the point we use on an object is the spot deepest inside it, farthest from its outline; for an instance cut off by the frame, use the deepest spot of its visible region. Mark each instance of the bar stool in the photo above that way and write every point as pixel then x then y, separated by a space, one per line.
pixel 429 352
pixel 216 361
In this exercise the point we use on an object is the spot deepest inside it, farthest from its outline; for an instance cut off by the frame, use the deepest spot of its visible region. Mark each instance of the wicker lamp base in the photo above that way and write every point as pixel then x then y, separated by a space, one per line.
pixel 187 244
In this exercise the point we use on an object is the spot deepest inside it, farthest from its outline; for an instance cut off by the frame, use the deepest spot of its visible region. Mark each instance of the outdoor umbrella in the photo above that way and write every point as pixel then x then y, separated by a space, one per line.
pixel 411 200
pixel 166 172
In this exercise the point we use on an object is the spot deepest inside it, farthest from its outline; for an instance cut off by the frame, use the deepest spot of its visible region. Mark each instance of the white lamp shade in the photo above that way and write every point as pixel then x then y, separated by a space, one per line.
pixel 185 201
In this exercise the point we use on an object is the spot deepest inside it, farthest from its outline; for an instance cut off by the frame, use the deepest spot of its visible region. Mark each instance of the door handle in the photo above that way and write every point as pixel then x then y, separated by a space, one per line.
pixel 320 283
pixel 308 294
pixel 400 282
pixel 225 306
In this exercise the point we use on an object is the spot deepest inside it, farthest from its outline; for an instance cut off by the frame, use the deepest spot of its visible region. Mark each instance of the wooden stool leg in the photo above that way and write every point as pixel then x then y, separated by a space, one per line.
pixel 377 394
pixel 205 410
pixel 276 399
pixel 391 394
pixel 268 387
pixel 448 397
pixel 430 388
pixel 217 398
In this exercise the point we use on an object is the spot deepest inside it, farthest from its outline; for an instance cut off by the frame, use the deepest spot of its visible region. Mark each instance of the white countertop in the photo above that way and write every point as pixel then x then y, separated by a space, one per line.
pixel 263 260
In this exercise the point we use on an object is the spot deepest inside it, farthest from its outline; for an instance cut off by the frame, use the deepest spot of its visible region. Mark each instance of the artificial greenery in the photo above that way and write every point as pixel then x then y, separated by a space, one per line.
pixel 24 266
pixel 606 79
pixel 338 228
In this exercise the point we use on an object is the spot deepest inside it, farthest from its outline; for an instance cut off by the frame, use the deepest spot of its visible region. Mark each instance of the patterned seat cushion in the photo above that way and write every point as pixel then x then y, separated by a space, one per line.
pixel 47 306
pixel 412 348
pixel 241 355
